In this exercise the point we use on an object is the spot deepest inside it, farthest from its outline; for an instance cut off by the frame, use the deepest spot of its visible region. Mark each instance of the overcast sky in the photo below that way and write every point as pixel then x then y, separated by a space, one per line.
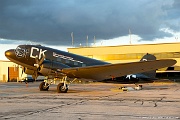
pixel 52 21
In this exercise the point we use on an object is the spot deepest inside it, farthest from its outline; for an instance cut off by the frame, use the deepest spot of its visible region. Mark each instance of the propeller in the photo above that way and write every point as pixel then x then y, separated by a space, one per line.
pixel 38 65
pixel 39 62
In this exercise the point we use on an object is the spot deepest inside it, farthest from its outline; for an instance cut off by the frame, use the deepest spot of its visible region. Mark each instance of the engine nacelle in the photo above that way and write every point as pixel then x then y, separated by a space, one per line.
pixel 47 67
pixel 28 71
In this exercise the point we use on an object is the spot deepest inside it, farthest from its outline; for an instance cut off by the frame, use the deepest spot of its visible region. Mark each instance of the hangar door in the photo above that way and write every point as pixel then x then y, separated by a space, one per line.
pixel 13 74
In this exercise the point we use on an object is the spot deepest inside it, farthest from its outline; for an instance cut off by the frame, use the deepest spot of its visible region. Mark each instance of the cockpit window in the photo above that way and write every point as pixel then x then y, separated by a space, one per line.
pixel 20 51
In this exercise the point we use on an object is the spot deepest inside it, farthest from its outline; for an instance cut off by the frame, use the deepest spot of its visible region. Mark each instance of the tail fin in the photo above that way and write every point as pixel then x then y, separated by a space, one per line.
pixel 149 57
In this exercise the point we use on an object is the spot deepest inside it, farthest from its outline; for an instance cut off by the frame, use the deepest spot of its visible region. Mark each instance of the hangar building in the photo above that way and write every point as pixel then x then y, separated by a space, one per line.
pixel 10 72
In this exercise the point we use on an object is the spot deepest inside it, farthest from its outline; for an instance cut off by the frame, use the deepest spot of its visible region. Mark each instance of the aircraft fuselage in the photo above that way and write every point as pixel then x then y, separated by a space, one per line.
pixel 26 56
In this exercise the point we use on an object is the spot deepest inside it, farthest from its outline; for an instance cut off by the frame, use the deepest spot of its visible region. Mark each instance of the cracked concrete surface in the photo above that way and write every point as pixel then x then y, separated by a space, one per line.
pixel 90 101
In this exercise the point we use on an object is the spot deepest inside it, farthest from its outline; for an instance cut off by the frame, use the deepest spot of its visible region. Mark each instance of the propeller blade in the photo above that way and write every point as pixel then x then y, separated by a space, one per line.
pixel 41 60
pixel 34 77
pixel 36 62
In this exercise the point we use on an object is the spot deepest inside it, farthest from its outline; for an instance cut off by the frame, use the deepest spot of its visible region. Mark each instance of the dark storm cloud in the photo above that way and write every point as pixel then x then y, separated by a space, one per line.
pixel 173 18
pixel 52 21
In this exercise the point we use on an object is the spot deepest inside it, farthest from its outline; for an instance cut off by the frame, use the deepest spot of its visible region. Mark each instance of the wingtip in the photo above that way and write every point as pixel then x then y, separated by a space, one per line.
pixel 171 62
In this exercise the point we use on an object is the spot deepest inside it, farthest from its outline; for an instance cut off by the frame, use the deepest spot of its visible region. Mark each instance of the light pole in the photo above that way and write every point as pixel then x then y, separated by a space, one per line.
pixel 72 36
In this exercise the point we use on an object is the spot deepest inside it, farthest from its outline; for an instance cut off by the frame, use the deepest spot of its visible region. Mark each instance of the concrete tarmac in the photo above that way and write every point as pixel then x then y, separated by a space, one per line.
pixel 95 101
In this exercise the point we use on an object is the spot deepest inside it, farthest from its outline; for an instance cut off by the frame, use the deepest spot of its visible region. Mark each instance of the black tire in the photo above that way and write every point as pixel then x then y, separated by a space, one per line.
pixel 61 89
pixel 42 87
pixel 47 88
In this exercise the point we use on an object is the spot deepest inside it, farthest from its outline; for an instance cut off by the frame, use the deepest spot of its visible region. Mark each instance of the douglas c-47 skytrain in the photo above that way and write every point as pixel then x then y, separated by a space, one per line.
pixel 39 60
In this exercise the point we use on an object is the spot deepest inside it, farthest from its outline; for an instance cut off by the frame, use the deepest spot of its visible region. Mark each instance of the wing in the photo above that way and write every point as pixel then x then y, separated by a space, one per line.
pixel 101 72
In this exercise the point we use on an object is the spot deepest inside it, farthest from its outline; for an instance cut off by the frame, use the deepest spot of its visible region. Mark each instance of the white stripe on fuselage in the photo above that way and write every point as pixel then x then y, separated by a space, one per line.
pixel 65 57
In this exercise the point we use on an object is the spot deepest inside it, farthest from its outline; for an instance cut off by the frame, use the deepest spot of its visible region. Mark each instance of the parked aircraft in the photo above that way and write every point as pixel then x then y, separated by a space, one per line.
pixel 52 63
pixel 145 77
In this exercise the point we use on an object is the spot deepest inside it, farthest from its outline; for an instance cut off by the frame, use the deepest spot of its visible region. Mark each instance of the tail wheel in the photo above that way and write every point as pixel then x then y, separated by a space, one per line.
pixel 61 88
pixel 43 87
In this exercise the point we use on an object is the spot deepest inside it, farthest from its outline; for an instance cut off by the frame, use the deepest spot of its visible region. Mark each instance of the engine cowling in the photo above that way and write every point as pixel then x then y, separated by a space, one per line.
pixel 48 67
pixel 28 71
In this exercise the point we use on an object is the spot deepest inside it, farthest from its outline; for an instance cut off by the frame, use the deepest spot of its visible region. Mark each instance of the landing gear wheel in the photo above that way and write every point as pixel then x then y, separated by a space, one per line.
pixel 61 88
pixel 43 87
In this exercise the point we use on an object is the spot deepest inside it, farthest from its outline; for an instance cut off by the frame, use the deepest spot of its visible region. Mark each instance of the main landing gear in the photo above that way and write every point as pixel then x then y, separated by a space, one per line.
pixel 44 86
pixel 62 87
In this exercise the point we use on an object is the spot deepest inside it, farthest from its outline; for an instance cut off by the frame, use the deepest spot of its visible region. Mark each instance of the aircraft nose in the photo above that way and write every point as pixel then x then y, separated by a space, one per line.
pixel 9 53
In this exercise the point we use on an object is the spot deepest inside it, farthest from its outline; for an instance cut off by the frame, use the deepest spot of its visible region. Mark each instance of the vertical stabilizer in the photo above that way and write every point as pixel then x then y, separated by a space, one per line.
pixel 149 57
